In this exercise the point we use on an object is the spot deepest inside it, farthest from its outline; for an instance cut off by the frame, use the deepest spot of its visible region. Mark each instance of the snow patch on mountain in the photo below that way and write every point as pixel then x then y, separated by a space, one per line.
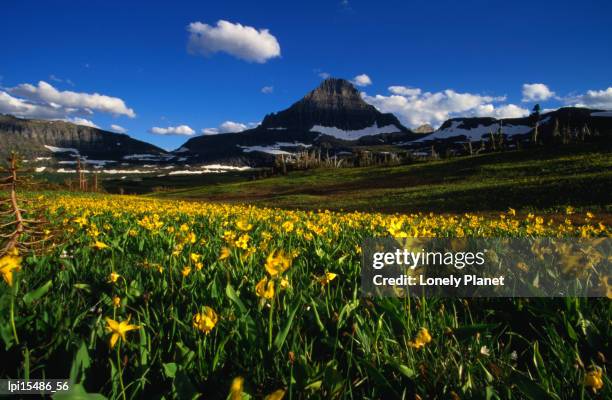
pixel 91 162
pixel 356 134
pixel 474 133
pixel 62 149
pixel 275 148
pixel 225 167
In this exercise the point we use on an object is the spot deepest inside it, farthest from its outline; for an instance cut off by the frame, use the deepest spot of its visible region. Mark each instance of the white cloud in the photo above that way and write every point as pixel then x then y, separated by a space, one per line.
pixel 25 109
pixel 536 92
pixel 324 75
pixel 229 127
pixel 415 108
pixel 47 94
pixel 118 128
pixel 405 91
pixel 241 41
pixel 82 121
pixel 267 89
pixel 362 80
pixel 183 130
pixel 593 99
pixel 503 111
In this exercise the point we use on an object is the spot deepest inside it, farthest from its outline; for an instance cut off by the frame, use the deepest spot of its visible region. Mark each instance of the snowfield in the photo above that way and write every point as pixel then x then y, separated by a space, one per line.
pixel 62 149
pixel 274 148
pixel 140 157
pixel 100 163
pixel 356 134
pixel 225 167
pixel 105 171
pixel 473 133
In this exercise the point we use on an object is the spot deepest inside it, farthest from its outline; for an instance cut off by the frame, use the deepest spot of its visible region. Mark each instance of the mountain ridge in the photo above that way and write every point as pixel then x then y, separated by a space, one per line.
pixel 334 103
pixel 32 137
pixel 333 117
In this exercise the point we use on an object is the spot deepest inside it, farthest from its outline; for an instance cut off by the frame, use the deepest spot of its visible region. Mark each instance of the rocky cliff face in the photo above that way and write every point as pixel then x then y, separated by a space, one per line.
pixel 29 138
pixel 335 103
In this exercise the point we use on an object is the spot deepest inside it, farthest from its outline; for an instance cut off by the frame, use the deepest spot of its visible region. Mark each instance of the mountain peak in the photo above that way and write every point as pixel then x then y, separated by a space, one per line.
pixel 335 87
pixel 335 94
pixel 334 103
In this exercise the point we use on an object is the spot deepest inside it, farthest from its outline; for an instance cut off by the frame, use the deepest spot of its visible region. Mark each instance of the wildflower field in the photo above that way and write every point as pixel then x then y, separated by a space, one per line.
pixel 143 298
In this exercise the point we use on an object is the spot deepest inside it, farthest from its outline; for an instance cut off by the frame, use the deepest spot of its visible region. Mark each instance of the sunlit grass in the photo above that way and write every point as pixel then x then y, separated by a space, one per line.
pixel 147 297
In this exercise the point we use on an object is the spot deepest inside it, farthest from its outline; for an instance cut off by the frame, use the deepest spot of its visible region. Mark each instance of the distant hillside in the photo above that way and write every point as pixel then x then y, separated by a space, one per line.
pixel 567 122
pixel 64 139
pixel 533 178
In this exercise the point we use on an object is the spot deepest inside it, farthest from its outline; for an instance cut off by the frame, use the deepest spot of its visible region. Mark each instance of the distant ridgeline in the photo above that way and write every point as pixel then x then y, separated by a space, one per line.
pixel 330 126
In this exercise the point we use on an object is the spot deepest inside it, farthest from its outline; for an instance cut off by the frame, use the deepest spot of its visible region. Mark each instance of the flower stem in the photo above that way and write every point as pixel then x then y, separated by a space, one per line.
pixel 120 371
pixel 13 312
pixel 270 324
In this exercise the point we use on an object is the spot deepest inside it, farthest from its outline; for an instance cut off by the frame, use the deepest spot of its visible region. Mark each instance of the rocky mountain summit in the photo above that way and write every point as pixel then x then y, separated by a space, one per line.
pixel 332 116
pixel 335 103
pixel 425 128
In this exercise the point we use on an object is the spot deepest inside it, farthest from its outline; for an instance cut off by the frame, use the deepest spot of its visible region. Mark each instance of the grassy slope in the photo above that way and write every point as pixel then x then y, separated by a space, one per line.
pixel 538 179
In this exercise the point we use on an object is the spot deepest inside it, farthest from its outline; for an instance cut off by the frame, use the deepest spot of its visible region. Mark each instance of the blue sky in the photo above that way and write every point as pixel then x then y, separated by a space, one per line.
pixel 464 57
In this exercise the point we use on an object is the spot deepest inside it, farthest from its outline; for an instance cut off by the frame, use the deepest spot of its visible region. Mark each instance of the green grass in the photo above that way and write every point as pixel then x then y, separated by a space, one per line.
pixel 530 179
pixel 314 340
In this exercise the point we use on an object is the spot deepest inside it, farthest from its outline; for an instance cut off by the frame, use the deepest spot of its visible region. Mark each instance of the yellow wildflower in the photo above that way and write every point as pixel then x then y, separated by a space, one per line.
pixel 328 277
pixel 237 388
pixel 287 226
pixel 191 238
pixel 186 271
pixel 421 339
pixel 195 257
pixel 100 245
pixel 511 211
pixel 522 266
pixel 276 395
pixel 206 320
pixel 118 329
pixel 277 263
pixel 113 277
pixel 244 225
pixel 116 301
pixel 593 379
pixel 284 283
pixel 10 263
pixel 265 289
pixel 243 242
pixel 225 253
